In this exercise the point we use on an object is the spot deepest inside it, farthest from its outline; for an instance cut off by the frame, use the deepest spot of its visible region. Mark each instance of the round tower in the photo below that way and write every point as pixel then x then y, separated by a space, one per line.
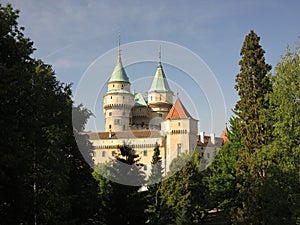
pixel 160 97
pixel 118 100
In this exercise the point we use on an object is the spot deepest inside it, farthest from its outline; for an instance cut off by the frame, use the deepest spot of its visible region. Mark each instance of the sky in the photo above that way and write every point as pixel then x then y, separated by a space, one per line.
pixel 79 38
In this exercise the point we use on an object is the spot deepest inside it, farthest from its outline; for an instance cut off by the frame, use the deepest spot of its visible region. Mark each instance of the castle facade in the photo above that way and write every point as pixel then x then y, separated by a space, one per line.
pixel 146 121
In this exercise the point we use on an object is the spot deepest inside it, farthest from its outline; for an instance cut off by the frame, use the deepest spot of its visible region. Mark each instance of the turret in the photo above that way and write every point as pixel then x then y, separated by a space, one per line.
pixel 160 97
pixel 118 100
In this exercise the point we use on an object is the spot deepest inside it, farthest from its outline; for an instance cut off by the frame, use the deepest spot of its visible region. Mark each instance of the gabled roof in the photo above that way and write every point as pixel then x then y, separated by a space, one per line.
pixel 224 134
pixel 139 100
pixel 178 111
pixel 160 83
pixel 119 73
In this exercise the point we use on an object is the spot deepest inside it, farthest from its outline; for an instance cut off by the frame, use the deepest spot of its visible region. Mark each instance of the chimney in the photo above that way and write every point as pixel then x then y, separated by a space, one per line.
pixel 202 134
pixel 212 138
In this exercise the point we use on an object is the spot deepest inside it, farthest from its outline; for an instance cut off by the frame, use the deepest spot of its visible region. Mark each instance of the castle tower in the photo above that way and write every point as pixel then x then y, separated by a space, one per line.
pixel 118 100
pixel 180 130
pixel 160 97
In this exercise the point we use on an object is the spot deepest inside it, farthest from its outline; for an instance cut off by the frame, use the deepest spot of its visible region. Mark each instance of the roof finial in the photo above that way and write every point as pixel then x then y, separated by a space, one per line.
pixel 119 48
pixel 159 55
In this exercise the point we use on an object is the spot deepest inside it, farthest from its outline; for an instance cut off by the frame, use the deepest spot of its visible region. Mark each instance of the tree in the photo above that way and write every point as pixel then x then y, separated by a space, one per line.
pixel 127 203
pixel 153 198
pixel 43 175
pixel 252 84
pixel 15 73
pixel 181 194
pixel 220 176
pixel 157 170
pixel 280 158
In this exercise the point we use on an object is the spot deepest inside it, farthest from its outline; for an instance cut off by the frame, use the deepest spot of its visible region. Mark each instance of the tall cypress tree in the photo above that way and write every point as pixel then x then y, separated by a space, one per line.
pixel 252 84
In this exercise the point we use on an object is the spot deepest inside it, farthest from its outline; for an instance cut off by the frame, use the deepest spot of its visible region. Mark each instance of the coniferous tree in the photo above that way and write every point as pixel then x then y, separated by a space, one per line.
pixel 220 176
pixel 153 199
pixel 252 84
pixel 126 173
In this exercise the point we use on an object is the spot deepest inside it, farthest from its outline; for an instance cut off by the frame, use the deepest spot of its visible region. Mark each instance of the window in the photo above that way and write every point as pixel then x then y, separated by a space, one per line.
pixel 179 148
pixel 160 115
pixel 113 153
pixel 145 152
pixel 151 98
pixel 202 154
pixel 109 126
pixel 122 86
pixel 124 127
pixel 110 113
pixel 117 121
pixel 208 155
pixel 123 97
pixel 123 113
pixel 113 85
pixel 145 167
pixel 179 124
pixel 110 97
pixel 103 153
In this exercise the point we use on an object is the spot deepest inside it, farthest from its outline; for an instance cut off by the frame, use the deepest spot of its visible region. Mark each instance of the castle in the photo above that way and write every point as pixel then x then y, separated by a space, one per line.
pixel 146 121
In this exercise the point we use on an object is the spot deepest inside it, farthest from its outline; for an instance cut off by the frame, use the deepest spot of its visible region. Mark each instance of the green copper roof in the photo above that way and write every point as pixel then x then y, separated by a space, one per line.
pixel 160 82
pixel 139 100
pixel 119 73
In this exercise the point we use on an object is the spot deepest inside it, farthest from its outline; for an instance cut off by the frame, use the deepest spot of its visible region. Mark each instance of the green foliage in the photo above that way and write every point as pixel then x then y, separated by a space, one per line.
pixel 279 160
pixel 43 175
pixel 252 84
pixel 221 174
pixel 154 210
pixel 157 170
pixel 181 192
pixel 127 203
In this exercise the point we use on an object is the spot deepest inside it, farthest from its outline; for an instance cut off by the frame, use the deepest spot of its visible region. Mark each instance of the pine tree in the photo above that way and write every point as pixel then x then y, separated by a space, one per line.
pixel 153 199
pixel 127 203
pixel 156 174
pixel 252 84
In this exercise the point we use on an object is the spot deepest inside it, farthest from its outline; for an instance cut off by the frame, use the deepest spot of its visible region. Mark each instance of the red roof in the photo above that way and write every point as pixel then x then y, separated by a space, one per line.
pixel 178 111
pixel 224 135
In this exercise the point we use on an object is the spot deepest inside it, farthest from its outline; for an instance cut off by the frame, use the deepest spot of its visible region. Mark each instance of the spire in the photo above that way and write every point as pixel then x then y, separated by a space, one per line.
pixel 119 73
pixel 119 48
pixel 159 55
pixel 160 83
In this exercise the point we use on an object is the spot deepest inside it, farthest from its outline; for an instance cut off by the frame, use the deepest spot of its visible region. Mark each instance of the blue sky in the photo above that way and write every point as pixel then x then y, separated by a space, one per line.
pixel 71 34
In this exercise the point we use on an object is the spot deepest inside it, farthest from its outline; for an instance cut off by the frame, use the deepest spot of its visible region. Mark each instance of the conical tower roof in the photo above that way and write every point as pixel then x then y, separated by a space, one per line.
pixel 160 83
pixel 178 111
pixel 119 73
